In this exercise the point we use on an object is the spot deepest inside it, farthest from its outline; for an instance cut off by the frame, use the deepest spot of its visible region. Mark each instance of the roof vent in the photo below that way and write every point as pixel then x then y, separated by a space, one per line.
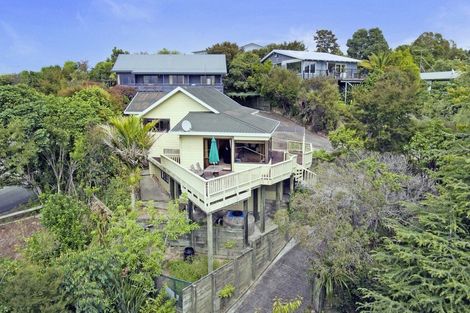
pixel 186 125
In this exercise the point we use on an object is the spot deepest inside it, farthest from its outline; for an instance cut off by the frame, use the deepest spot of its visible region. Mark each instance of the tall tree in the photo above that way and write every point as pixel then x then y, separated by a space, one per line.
pixel 326 41
pixel 245 73
pixel 102 70
pixel 366 42
pixel 282 87
pixel 385 109
pixel 424 267
pixel 319 108
pixel 230 49
pixel 115 53
pixel 430 47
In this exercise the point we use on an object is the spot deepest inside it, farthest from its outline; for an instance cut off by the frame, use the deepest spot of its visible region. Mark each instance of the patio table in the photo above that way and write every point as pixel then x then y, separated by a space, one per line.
pixel 213 170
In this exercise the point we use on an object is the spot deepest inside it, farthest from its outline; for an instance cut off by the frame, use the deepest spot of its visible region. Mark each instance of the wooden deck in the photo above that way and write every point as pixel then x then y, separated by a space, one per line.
pixel 215 193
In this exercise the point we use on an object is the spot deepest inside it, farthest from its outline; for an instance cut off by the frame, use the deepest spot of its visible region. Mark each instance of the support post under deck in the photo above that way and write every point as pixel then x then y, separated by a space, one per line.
pixel 210 243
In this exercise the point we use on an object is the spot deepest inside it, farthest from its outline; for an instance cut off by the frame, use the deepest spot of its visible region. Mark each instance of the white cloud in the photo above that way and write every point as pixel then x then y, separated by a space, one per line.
pixel 16 43
pixel 127 11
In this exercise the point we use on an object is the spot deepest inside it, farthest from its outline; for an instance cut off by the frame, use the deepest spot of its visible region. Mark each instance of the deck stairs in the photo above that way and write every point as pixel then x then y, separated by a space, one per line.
pixel 304 177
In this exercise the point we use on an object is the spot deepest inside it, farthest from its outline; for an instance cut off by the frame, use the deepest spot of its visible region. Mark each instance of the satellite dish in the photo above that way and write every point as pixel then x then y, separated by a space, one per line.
pixel 186 125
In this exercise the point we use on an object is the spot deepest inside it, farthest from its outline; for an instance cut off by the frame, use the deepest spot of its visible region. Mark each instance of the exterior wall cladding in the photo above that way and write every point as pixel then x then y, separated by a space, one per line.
pixel 165 83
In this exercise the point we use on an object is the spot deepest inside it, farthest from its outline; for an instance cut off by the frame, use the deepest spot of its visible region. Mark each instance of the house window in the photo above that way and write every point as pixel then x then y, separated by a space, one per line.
pixel 164 176
pixel 162 125
pixel 150 79
pixel 310 69
pixel 176 79
pixel 208 80
pixel 340 68
pixel 295 67
pixel 250 152
pixel 126 79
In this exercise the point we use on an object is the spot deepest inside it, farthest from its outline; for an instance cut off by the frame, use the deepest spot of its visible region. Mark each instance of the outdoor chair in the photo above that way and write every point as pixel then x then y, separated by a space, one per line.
pixel 196 171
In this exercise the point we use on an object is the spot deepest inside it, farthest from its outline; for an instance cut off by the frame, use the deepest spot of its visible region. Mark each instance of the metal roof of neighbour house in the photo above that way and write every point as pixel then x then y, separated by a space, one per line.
pixel 217 100
pixel 447 75
pixel 313 56
pixel 142 100
pixel 171 63
pixel 251 46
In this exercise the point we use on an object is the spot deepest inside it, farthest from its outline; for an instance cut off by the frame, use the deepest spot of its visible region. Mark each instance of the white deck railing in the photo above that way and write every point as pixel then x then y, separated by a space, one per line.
pixel 215 193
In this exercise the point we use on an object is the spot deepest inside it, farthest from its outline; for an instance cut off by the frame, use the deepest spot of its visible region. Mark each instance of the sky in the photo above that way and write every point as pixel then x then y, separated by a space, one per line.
pixel 37 33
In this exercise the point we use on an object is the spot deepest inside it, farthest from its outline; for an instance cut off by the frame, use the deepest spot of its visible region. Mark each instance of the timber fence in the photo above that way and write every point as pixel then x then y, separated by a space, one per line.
pixel 202 296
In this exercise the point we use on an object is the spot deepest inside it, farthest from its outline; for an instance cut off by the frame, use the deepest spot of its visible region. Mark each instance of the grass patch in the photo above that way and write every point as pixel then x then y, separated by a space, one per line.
pixel 191 271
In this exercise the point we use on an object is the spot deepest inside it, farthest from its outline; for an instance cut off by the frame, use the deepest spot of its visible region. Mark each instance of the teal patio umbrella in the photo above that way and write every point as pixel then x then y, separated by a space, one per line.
pixel 213 152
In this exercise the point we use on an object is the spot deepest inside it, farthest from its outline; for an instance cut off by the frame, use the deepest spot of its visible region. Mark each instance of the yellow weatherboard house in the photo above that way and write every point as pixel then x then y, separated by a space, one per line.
pixel 251 171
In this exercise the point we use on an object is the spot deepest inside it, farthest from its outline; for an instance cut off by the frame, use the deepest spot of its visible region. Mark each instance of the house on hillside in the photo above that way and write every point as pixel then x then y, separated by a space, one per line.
pixel 438 77
pixel 234 196
pixel 165 72
pixel 250 47
pixel 316 64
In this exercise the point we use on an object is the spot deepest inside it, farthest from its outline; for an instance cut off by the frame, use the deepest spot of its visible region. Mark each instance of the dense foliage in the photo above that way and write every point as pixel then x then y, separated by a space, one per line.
pixel 366 42
pixel 326 41
pixel 387 231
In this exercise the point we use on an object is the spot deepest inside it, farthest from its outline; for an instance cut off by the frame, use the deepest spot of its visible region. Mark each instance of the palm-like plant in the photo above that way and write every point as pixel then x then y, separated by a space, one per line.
pixel 379 61
pixel 130 140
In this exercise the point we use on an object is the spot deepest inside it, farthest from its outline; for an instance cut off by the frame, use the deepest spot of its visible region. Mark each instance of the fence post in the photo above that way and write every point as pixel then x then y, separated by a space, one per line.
pixel 236 271
pixel 194 298
pixel 213 293
pixel 253 261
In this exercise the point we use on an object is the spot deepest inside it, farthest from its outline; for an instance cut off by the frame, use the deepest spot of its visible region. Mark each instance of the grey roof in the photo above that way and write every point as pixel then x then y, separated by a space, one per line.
pixel 208 122
pixel 312 56
pixel 171 63
pixel 251 46
pixel 232 117
pixel 217 100
pixel 142 100
pixel 447 75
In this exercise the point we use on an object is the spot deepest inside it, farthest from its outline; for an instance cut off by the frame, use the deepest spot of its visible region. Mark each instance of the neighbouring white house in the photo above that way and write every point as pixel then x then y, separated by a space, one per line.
pixel 309 64
pixel 248 183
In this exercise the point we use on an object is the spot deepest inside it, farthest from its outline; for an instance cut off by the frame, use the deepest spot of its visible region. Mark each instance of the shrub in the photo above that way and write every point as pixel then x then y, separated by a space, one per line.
pixel 42 247
pixel 190 271
pixel 227 291
pixel 68 219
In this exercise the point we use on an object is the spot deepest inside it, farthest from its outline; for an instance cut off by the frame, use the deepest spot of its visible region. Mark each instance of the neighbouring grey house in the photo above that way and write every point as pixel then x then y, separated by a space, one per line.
pixel 439 76
pixel 315 64
pixel 435 77
pixel 164 72
pixel 250 47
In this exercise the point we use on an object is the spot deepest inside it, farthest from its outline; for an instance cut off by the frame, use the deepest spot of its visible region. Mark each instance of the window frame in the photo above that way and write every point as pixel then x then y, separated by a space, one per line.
pixel 163 125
